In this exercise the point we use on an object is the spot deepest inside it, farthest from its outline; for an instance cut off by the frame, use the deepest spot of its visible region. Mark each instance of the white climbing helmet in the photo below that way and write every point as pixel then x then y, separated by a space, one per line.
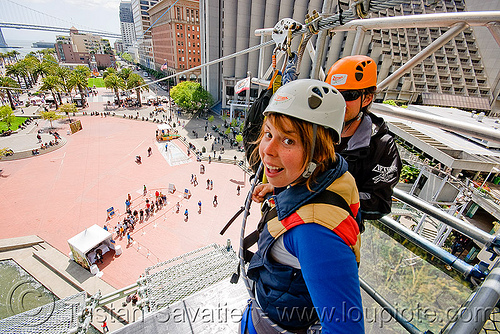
pixel 310 100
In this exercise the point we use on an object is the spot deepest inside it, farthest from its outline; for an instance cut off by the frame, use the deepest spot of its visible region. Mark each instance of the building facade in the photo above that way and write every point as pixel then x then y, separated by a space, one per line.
pixel 127 27
pixel 83 49
pixel 459 71
pixel 142 32
pixel 176 37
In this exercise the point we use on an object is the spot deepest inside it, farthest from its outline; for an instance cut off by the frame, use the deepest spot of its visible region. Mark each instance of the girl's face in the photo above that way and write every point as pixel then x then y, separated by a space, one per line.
pixel 282 154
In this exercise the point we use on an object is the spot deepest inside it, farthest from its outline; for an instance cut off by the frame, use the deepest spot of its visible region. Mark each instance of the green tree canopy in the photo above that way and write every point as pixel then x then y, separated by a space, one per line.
pixel 50 116
pixel 83 70
pixel 79 80
pixel 10 83
pixel 7 115
pixel 133 82
pixel 125 73
pixel 108 71
pixel 115 83
pixel 52 84
pixel 68 108
pixel 127 57
pixel 191 96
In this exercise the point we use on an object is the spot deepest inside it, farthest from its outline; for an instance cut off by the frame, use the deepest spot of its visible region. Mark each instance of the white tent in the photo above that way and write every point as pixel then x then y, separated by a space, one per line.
pixel 164 126
pixel 84 245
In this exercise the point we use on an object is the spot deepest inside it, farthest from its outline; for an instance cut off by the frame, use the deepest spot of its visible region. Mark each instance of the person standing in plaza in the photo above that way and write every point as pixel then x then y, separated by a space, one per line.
pixel 104 326
pixel 199 206
pixel 150 151
pixel 145 191
pixel 238 189
pixel 186 215
pixel 215 203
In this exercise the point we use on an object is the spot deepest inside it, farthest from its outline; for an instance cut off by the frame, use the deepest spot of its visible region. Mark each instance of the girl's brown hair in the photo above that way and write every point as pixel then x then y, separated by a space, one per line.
pixel 324 151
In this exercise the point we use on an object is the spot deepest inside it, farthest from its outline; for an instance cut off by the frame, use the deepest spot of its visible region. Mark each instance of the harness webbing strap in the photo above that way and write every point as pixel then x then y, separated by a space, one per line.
pixel 269 213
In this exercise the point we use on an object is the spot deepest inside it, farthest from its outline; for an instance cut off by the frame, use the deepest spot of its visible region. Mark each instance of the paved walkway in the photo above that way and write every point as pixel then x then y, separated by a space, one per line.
pixel 59 194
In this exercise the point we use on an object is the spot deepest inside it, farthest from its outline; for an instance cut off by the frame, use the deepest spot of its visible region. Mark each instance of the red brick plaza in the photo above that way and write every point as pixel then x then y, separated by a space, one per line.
pixel 59 194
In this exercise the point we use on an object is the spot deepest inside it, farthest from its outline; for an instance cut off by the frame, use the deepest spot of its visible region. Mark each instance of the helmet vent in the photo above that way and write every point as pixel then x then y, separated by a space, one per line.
pixel 326 90
pixel 317 91
pixel 314 101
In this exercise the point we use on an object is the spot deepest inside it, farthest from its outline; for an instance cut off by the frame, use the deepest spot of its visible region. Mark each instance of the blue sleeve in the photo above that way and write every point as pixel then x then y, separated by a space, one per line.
pixel 330 271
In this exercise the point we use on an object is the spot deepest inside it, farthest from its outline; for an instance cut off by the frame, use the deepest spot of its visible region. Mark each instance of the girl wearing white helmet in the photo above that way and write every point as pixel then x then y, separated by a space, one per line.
pixel 306 267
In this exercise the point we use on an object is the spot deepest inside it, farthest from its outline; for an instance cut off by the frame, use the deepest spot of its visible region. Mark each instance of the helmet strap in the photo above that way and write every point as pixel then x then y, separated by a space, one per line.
pixel 311 166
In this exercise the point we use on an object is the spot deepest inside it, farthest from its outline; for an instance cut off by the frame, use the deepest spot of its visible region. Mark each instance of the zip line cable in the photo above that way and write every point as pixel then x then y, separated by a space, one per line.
pixel 165 12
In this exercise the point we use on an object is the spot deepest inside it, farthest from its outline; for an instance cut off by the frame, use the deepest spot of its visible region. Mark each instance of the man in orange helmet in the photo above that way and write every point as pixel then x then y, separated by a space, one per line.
pixel 366 143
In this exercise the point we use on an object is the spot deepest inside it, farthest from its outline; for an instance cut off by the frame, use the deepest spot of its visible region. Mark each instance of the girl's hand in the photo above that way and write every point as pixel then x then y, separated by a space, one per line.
pixel 260 192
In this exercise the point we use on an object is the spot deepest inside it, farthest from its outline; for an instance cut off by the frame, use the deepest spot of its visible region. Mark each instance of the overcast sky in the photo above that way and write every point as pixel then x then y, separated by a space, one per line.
pixel 83 14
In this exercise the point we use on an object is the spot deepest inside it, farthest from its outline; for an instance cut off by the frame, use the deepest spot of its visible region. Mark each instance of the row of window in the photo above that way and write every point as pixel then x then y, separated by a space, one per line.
pixel 189 28
pixel 189 51
pixel 191 14
pixel 190 59
pixel 181 43
pixel 181 35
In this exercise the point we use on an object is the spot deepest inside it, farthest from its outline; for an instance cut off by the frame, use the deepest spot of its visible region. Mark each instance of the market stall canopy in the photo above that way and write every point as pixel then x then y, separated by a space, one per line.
pixel 88 239
pixel 164 127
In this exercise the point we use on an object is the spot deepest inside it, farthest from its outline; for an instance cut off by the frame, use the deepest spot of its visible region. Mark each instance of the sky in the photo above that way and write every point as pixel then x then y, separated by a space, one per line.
pixel 83 14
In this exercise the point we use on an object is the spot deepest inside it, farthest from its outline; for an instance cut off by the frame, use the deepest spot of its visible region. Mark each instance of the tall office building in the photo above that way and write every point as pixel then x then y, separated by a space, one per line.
pixel 127 24
pixel 142 32
pixel 176 37
pixel 459 74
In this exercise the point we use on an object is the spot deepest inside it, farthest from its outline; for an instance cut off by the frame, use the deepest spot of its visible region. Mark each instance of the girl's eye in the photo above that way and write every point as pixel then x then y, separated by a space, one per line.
pixel 267 134
pixel 288 141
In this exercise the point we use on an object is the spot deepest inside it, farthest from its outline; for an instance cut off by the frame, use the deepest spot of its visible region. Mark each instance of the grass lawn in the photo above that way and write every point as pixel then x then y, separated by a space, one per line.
pixel 14 125
pixel 98 82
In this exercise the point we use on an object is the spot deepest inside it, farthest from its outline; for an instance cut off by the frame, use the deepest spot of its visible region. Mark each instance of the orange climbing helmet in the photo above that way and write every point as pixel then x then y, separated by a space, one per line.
pixel 353 72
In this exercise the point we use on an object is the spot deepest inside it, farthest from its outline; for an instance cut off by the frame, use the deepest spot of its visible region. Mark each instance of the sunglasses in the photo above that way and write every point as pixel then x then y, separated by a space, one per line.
pixel 351 95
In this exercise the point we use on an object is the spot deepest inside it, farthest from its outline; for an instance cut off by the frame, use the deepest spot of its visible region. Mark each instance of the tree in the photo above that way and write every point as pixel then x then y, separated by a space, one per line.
pixel 127 57
pixel 13 70
pixel 108 71
pixel 53 84
pixel 125 73
pixel 9 83
pixel 83 70
pixel 63 73
pixel 68 108
pixel 7 115
pixel 79 79
pixel 134 82
pixel 191 96
pixel 51 116
pixel 23 66
pixel 115 83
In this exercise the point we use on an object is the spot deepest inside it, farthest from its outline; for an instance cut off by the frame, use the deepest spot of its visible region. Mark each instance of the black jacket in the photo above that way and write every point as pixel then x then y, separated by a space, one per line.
pixel 373 160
